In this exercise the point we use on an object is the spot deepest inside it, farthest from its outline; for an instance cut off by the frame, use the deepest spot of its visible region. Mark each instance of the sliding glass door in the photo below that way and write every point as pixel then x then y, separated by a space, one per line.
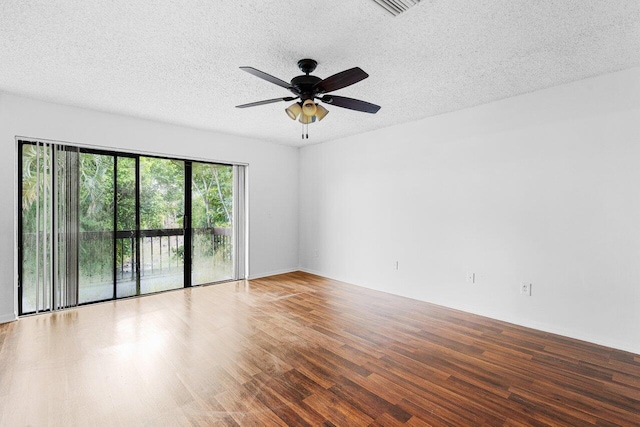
pixel 35 226
pixel 212 222
pixel 97 225
pixel 126 242
pixel 162 224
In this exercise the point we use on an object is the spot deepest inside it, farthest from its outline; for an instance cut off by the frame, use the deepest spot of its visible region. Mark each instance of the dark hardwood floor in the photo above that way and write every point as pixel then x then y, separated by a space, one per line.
pixel 298 349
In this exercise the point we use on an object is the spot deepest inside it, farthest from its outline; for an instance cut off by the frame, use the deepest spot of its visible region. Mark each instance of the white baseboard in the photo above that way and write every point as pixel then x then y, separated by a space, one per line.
pixel 273 273
pixel 9 317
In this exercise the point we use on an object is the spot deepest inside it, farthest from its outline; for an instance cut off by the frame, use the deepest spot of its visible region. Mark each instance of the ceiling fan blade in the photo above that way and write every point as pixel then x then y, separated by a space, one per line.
pixel 350 103
pixel 340 80
pixel 267 77
pixel 267 101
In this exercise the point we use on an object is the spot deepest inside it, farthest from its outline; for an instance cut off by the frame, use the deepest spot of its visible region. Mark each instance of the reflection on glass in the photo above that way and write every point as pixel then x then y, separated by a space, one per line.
pixel 212 222
pixel 161 224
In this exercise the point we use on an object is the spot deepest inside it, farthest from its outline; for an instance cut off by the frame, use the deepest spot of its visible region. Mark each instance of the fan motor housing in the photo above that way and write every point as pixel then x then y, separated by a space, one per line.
pixel 303 85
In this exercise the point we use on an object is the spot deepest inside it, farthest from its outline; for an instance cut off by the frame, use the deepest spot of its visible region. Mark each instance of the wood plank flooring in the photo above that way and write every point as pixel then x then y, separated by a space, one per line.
pixel 298 349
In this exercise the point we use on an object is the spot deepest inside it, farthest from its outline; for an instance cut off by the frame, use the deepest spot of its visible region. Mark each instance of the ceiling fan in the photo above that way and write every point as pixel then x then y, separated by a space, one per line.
pixel 310 89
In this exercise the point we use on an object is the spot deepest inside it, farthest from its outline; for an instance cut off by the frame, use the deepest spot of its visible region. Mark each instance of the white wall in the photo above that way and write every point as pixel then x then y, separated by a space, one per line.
pixel 273 175
pixel 543 188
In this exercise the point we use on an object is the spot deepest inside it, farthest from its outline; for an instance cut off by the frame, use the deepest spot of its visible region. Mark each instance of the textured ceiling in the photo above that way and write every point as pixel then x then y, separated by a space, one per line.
pixel 177 60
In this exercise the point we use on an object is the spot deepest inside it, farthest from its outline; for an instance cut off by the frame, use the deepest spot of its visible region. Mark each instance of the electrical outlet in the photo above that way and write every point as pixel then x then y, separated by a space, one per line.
pixel 471 277
pixel 525 289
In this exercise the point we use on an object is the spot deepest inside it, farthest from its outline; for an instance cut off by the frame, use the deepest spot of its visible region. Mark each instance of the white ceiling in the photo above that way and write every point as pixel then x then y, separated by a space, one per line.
pixel 177 60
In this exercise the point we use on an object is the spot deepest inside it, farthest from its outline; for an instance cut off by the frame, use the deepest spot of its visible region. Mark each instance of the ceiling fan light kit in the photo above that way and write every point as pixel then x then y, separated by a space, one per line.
pixel 308 88
pixel 294 110
pixel 305 120
pixel 309 108
pixel 321 112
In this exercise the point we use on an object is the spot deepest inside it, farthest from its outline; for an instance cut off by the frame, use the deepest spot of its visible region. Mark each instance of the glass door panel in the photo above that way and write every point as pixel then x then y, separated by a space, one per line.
pixel 212 223
pixel 162 199
pixel 126 265
pixel 35 169
pixel 95 211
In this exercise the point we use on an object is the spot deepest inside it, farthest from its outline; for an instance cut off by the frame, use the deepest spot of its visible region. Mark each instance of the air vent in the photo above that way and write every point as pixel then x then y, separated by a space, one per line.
pixel 396 7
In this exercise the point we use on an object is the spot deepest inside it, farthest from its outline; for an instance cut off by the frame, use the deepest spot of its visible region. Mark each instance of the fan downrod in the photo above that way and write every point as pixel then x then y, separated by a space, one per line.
pixel 307 65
